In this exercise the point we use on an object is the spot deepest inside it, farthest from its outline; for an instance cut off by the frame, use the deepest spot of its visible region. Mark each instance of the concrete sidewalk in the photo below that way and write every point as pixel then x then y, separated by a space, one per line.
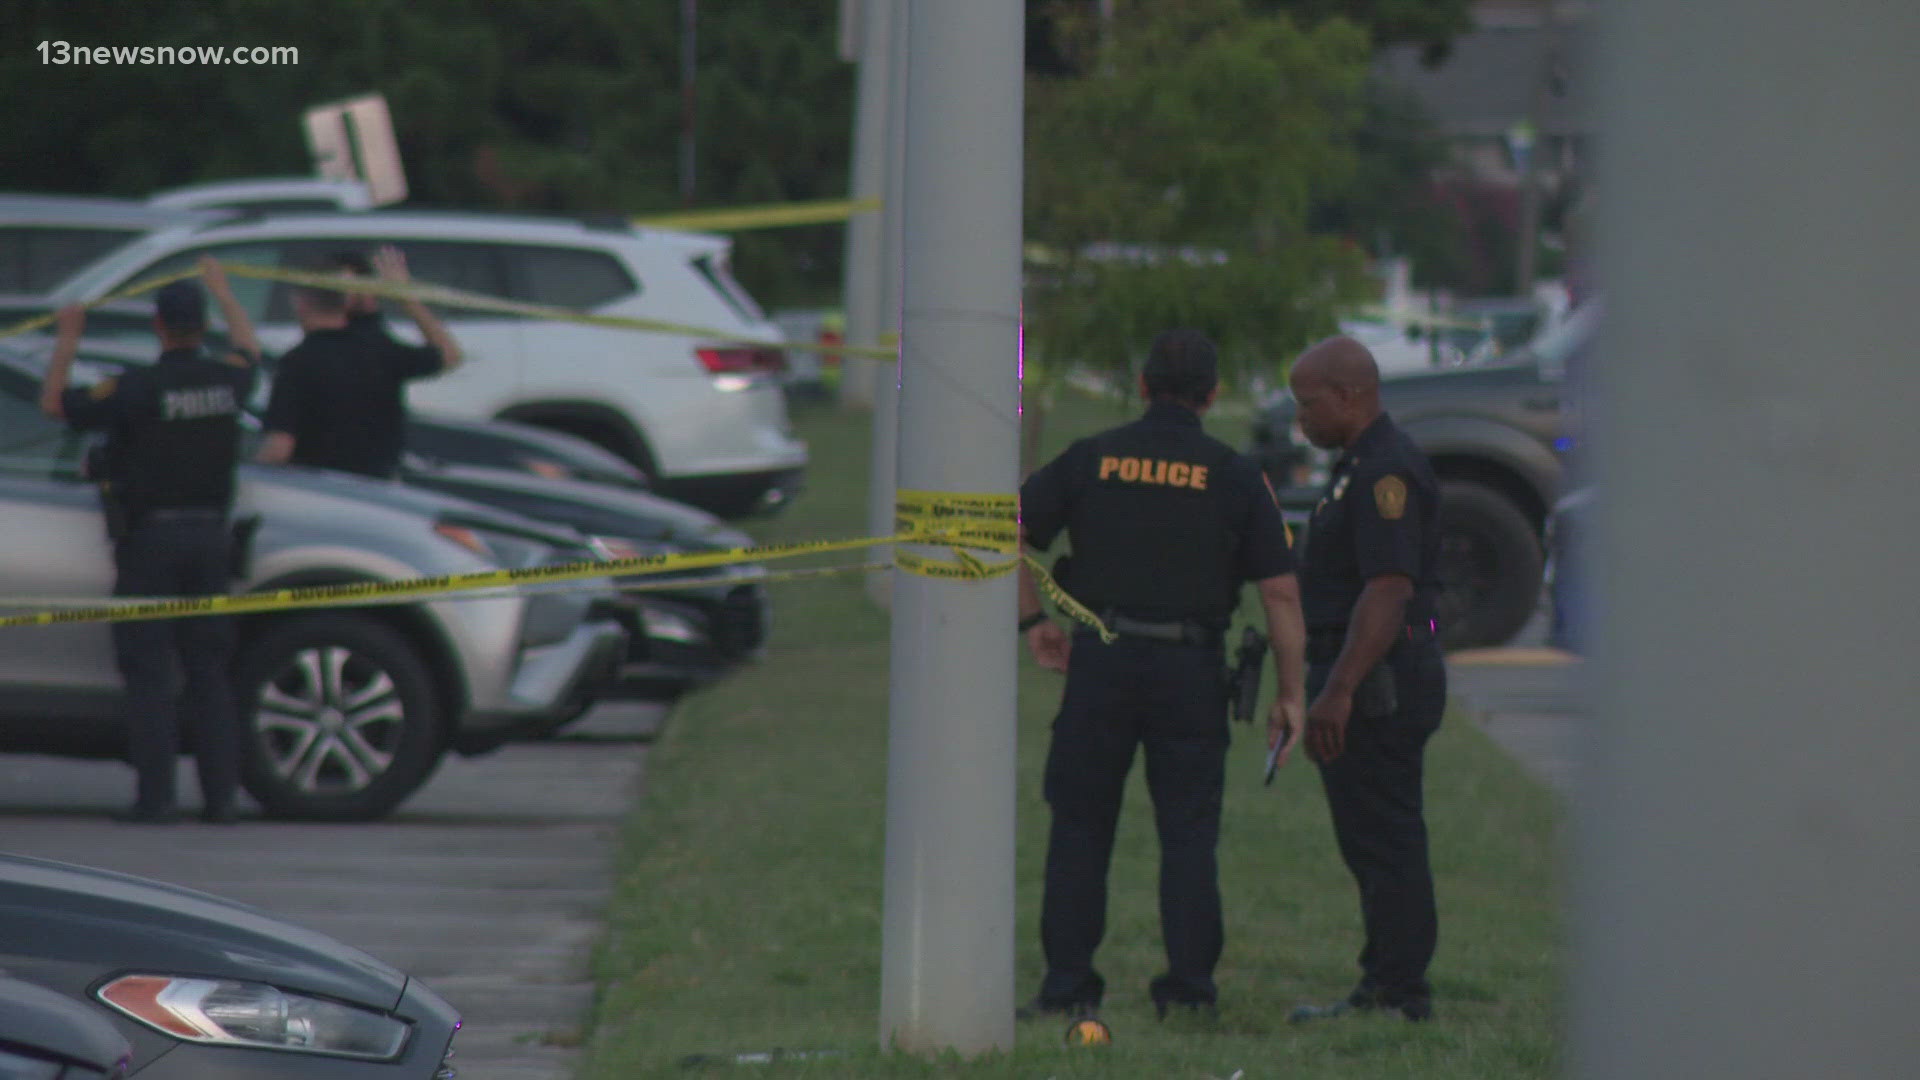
pixel 1531 701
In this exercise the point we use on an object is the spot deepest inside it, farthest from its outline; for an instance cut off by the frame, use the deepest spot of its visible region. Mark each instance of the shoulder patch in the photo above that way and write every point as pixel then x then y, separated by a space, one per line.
pixel 1390 495
pixel 103 389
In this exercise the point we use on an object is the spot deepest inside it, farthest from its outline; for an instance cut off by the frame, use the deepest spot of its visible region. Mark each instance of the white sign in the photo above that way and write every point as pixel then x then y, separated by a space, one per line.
pixel 353 140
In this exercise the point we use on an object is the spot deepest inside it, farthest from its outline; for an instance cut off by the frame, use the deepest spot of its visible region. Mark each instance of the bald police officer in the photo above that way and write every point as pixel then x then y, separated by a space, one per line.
pixel 1368 585
pixel 172 440
pixel 1166 522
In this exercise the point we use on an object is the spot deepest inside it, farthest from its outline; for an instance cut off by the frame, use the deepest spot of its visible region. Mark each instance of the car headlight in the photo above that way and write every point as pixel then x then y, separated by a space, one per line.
pixel 512 552
pixel 663 623
pixel 619 548
pixel 232 1013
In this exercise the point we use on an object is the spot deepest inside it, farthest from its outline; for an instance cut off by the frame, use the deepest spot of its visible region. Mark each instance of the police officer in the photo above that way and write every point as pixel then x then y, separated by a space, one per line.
pixel 172 439
pixel 1367 583
pixel 1165 523
pixel 339 397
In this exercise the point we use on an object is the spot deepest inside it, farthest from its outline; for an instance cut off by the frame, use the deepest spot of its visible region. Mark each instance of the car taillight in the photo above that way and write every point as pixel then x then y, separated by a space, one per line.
pixel 741 360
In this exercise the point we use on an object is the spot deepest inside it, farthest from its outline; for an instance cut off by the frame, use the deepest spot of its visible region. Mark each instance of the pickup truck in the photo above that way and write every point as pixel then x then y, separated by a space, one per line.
pixel 1498 435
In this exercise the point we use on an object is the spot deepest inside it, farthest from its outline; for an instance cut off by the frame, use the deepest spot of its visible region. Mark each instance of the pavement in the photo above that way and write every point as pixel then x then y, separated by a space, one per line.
pixel 1530 699
pixel 489 884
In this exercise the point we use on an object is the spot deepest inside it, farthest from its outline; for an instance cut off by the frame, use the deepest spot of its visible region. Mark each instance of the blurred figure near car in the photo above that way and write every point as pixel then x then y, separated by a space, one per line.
pixel 339 398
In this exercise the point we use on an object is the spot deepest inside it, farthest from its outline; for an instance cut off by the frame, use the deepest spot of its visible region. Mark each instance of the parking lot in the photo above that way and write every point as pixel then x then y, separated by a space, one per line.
pixel 487 885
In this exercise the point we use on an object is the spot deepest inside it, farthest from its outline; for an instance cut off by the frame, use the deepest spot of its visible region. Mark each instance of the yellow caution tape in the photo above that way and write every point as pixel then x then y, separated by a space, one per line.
pixel 962 523
pixel 982 522
pixel 28 325
pixel 769 216
pixel 447 296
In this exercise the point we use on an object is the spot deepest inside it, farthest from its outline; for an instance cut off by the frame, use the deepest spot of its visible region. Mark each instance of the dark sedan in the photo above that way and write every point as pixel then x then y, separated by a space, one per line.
pixel 45 1036
pixel 678 639
pixel 203 988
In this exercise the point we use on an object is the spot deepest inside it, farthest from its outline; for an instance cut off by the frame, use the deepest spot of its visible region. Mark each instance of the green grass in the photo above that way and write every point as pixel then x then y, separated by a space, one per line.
pixel 746 916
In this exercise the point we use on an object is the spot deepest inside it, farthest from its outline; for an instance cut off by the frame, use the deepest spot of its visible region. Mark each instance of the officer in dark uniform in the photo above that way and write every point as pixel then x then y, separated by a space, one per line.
pixel 339 397
pixel 1379 687
pixel 1165 523
pixel 172 439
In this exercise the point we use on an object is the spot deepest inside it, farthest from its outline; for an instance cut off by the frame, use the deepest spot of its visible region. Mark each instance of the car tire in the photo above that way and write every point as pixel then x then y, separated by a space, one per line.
pixel 340 721
pixel 1490 566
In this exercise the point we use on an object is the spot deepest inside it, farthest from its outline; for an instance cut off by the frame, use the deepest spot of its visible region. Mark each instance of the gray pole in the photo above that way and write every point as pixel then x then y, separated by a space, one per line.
pixel 860 291
pixel 886 397
pixel 1748 865
pixel 946 968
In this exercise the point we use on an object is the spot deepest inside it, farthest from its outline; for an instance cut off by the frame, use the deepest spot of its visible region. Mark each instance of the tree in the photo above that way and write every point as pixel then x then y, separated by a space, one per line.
pixel 1393 206
pixel 1430 24
pixel 1169 183
pixel 543 105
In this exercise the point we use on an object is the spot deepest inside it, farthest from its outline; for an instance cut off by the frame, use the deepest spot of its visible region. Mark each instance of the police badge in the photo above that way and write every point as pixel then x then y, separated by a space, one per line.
pixel 1390 495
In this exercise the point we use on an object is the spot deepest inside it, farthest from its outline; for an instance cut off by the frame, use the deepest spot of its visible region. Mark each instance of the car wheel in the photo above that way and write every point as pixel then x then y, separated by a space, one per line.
pixel 1490 566
pixel 341 721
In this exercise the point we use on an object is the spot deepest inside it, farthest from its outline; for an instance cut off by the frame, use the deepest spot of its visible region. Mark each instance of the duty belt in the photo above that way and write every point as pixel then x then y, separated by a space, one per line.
pixel 1172 631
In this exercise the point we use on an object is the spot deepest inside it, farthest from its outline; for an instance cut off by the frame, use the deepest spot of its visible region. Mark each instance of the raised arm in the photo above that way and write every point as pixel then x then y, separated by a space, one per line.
pixel 246 344
pixel 391 265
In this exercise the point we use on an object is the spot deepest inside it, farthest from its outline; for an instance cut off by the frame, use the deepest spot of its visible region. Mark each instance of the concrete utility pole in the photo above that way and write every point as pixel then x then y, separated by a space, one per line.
pixel 1748 868
pixel 862 278
pixel 947 927
pixel 886 394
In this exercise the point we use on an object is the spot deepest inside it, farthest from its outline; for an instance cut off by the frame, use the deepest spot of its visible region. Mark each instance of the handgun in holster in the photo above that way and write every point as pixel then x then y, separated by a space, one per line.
pixel 240 553
pixel 1378 694
pixel 1243 679
pixel 113 503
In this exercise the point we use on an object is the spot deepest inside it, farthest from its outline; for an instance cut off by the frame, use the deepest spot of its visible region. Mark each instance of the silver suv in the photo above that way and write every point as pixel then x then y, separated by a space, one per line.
pixel 346 711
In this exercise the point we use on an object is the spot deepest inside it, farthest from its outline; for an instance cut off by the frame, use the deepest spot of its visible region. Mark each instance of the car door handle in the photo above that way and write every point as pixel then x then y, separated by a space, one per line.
pixel 1543 402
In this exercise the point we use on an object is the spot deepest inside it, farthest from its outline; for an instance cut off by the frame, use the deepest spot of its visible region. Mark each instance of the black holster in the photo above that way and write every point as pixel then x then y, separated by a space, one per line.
pixel 1378 694
pixel 240 551
pixel 1243 679
pixel 115 511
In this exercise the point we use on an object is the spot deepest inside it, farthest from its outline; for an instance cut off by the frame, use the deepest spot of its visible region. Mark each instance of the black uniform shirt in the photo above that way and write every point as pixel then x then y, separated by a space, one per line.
pixel 1377 517
pixel 173 428
pixel 341 394
pixel 1165 520
pixel 413 361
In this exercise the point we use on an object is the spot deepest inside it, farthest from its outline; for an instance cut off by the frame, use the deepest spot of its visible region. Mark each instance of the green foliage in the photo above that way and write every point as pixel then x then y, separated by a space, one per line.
pixel 1170 182
pixel 542 105
pixel 1393 206
pixel 1428 23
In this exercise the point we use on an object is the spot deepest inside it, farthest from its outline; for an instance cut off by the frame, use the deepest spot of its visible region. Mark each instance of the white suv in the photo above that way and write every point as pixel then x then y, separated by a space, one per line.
pixel 704 419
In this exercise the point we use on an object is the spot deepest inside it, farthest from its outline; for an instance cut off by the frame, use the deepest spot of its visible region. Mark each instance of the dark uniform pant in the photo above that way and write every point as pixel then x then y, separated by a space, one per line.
pixel 177 555
pixel 1376 795
pixel 1171 700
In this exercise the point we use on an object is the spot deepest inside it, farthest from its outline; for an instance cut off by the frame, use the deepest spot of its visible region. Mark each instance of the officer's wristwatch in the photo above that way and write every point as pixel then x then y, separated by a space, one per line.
pixel 1032 621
